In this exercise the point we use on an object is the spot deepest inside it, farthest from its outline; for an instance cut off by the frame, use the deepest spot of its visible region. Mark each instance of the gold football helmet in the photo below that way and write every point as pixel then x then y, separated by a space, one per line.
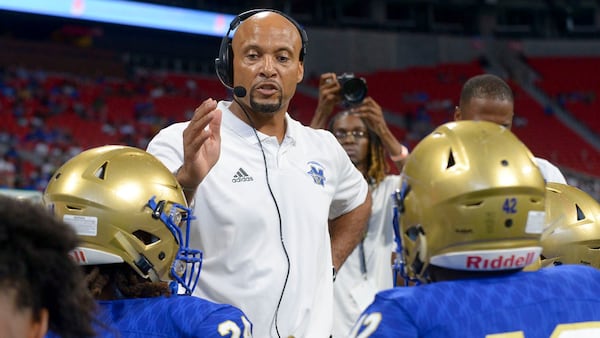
pixel 472 199
pixel 126 206
pixel 572 233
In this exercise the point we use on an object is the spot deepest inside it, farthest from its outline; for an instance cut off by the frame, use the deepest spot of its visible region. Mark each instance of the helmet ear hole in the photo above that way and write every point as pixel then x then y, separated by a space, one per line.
pixel 412 233
pixel 145 237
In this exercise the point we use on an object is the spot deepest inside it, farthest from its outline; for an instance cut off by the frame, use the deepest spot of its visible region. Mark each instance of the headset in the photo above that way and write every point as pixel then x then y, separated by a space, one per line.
pixel 224 63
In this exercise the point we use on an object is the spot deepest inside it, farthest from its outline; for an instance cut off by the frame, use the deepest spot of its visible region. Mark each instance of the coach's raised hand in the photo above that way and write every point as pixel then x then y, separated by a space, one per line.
pixel 201 146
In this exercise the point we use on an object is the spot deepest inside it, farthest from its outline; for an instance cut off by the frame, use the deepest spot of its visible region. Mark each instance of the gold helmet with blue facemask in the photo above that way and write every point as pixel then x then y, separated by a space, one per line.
pixel 471 199
pixel 126 207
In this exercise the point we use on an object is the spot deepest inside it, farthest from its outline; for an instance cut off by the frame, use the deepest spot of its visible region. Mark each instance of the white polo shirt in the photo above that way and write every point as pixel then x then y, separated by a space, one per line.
pixel 238 226
pixel 352 291
pixel 549 171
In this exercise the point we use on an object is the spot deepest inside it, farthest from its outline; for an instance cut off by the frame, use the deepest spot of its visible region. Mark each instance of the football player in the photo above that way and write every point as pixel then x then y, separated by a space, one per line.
pixel 133 221
pixel 472 205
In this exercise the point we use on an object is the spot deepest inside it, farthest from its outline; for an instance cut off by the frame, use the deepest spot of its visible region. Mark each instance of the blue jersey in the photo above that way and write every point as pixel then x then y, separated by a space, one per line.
pixel 525 304
pixel 175 316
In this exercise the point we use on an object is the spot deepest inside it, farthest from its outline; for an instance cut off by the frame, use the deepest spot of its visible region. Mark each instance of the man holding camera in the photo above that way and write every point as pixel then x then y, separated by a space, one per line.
pixel 363 133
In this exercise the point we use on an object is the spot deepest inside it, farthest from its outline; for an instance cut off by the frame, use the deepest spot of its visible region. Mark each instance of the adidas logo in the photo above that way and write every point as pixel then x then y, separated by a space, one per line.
pixel 241 176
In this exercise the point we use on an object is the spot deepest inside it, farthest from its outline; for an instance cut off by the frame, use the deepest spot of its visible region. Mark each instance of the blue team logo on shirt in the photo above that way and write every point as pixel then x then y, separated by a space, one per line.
pixel 316 172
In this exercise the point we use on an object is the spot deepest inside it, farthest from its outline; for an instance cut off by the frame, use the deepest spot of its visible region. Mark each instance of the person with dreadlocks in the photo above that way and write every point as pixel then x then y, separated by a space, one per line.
pixel 367 139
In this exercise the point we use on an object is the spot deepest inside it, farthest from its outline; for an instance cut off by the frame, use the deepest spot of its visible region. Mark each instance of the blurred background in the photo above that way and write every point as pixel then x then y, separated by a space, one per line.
pixel 76 74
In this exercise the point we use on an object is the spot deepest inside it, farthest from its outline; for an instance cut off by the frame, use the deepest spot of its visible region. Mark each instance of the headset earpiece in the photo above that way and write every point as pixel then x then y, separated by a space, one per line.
pixel 224 61
pixel 224 64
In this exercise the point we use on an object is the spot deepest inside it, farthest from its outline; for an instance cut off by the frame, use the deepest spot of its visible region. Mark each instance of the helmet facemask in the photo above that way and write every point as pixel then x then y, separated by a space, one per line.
pixel 399 265
pixel 187 264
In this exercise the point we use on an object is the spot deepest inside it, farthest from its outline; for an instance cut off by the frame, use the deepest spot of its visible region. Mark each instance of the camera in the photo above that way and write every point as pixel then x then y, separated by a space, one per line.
pixel 353 89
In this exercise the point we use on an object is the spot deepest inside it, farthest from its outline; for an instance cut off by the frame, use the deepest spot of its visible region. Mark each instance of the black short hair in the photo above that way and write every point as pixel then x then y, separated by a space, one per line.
pixel 487 86
pixel 35 265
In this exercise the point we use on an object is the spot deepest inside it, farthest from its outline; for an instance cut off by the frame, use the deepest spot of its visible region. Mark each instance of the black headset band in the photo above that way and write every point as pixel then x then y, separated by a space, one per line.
pixel 224 63
pixel 245 15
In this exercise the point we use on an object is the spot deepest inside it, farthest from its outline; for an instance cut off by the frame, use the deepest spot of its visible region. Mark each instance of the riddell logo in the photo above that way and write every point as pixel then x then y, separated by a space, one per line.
pixel 478 262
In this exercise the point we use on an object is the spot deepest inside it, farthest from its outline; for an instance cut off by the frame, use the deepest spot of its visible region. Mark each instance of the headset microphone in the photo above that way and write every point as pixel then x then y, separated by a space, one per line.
pixel 239 91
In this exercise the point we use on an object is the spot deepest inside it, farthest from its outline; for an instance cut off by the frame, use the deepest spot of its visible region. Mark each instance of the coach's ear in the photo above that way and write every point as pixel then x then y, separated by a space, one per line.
pixel 39 328
pixel 300 74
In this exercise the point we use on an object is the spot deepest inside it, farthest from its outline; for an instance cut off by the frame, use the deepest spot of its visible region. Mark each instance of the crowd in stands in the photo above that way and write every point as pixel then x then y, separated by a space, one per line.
pixel 48 117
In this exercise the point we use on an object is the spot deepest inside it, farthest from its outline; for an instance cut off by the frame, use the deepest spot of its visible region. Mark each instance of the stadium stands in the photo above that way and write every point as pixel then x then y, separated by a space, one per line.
pixel 58 99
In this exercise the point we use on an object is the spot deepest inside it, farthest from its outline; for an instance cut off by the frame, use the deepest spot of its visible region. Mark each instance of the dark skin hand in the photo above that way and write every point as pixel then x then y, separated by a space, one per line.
pixel 201 147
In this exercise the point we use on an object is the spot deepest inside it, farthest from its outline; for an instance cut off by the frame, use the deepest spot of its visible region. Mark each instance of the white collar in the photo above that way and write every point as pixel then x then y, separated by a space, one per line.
pixel 245 131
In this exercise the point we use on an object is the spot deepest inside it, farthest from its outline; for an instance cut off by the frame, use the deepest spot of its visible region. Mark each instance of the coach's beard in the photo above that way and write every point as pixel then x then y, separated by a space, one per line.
pixel 265 108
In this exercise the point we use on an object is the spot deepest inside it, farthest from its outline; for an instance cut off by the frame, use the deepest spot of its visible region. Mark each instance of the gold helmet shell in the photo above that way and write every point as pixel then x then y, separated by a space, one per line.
pixel 472 199
pixel 572 232
pixel 126 206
